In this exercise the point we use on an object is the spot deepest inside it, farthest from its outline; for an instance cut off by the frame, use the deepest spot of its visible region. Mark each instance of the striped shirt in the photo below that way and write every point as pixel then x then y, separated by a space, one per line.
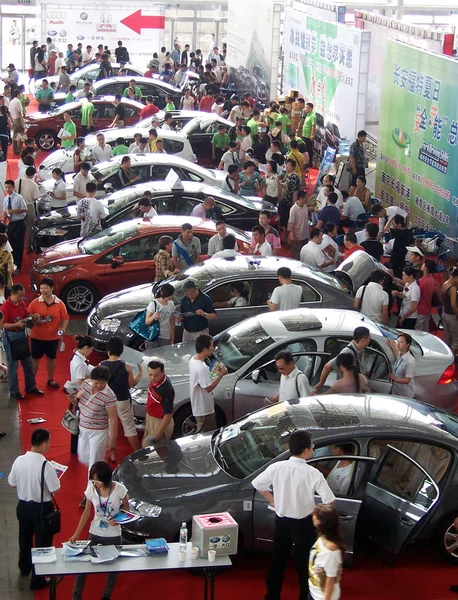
pixel 92 407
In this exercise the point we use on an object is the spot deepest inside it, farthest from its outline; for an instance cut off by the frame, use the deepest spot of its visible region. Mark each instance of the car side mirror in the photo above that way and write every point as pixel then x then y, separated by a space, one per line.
pixel 108 188
pixel 256 376
pixel 117 261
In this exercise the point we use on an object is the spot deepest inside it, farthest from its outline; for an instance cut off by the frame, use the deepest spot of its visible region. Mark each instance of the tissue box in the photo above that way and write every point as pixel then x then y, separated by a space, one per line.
pixel 218 531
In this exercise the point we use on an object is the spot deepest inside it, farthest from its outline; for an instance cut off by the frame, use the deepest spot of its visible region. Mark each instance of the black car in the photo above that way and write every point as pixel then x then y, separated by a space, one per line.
pixel 237 211
pixel 113 314
pixel 149 87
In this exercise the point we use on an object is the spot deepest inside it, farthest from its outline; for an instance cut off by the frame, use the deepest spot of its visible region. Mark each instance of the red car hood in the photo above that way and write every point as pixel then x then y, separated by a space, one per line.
pixel 65 252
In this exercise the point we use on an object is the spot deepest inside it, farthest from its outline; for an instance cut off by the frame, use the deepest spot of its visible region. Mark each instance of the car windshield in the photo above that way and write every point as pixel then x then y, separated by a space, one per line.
pixel 333 280
pixel 393 334
pixel 104 240
pixel 198 273
pixel 251 443
pixel 119 200
pixel 108 169
pixel 239 344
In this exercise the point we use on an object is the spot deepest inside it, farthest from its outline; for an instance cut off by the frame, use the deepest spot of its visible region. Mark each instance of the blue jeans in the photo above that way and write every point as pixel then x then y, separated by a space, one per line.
pixel 27 364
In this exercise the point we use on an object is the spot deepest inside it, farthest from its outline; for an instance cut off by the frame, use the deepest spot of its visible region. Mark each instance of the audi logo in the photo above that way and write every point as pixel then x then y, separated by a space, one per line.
pixel 56 15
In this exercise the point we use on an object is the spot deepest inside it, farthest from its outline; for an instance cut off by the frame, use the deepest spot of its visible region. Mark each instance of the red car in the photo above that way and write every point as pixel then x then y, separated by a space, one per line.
pixel 44 127
pixel 86 269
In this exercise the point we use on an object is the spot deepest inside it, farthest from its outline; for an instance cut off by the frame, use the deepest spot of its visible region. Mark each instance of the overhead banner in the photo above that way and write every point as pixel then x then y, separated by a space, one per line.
pixel 418 137
pixel 323 62
pixel 140 27
pixel 253 44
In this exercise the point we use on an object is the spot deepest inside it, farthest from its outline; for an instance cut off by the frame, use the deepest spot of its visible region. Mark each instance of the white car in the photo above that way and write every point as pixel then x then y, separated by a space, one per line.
pixel 149 167
pixel 175 143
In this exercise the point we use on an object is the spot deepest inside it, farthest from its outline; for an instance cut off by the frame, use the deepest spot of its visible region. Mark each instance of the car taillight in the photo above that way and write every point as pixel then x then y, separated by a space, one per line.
pixel 448 375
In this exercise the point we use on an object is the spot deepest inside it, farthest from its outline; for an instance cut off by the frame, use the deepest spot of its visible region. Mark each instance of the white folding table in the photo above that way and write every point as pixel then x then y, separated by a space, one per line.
pixel 159 562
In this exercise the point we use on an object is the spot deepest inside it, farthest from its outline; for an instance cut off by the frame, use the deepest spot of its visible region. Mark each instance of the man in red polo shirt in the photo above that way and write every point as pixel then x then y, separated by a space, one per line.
pixel 51 319
pixel 159 407
pixel 15 314
pixel 150 108
pixel 207 102
pixel 351 244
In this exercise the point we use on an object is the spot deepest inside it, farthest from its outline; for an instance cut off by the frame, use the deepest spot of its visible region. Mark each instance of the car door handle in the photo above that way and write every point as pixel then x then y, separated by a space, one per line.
pixel 406 522
pixel 346 517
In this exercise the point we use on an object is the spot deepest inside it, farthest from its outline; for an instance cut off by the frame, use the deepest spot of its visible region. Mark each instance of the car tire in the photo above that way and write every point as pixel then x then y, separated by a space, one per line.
pixel 80 297
pixel 46 140
pixel 446 535
pixel 185 422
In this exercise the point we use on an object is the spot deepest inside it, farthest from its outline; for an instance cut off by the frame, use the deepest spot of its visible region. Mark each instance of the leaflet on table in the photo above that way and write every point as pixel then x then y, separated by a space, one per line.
pixel 75 548
pixel 132 552
pixel 60 469
pixel 44 555
pixel 124 516
pixel 101 554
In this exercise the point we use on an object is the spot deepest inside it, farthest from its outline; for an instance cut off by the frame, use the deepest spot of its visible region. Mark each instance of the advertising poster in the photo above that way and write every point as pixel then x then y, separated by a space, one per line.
pixel 250 47
pixel 139 27
pixel 418 137
pixel 322 62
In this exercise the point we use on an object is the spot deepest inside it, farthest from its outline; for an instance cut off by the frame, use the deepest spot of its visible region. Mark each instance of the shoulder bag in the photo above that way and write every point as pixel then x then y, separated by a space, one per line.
pixel 362 298
pixel 70 420
pixel 20 348
pixel 50 523
pixel 147 332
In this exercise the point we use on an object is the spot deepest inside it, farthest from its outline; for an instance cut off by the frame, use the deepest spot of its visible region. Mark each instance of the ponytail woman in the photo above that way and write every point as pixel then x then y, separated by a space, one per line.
pixel 80 369
pixel 326 555
pixel 352 381
pixel 162 309
pixel 404 367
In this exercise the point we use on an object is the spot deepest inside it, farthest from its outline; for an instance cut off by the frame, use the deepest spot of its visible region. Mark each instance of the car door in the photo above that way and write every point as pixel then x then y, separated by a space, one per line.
pixel 227 316
pixel 266 285
pixel 348 506
pixel 105 114
pixel 399 497
pixel 200 139
pixel 110 88
pixel 262 378
pixel 130 263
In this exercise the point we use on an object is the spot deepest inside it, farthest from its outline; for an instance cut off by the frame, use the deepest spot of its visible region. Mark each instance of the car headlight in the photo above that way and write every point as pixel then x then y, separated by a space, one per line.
pixel 145 509
pixel 53 231
pixel 110 325
pixel 139 395
pixel 53 269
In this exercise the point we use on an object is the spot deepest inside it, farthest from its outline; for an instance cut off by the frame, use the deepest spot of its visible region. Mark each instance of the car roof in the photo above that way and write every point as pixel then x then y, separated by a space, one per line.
pixel 96 100
pixel 150 159
pixel 138 78
pixel 205 117
pixel 175 223
pixel 375 414
pixel 113 134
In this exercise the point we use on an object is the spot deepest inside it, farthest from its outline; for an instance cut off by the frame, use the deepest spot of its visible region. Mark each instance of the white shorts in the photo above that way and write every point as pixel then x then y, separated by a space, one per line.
pixel 126 416
pixel 191 336
pixel 92 445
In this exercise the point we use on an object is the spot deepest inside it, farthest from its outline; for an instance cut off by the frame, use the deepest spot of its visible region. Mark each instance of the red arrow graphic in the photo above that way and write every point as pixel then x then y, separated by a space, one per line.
pixel 136 21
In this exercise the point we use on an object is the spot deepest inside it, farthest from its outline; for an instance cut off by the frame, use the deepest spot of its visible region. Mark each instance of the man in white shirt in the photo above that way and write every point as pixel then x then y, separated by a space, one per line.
pixel 312 255
pixel 15 109
pixel 330 247
pixel 15 211
pixel 293 383
pixel 230 157
pixel 385 214
pixel 26 475
pixel 262 246
pixel 246 143
pixel 80 181
pixel 28 189
pixel 202 386
pixel 216 242
pixel 143 147
pixel 298 225
pixel 321 198
pixel 135 143
pixel 168 118
pixel 59 63
pixel 339 478
pixel 181 75
pixel 351 210
pixel 287 295
pixel 146 210
pixel 102 151
pixel 90 211
pixel 372 300
pixel 294 484
pixel 87 55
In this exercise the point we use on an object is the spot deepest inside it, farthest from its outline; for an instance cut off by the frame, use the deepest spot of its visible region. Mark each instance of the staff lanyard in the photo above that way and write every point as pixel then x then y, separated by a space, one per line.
pixel 104 507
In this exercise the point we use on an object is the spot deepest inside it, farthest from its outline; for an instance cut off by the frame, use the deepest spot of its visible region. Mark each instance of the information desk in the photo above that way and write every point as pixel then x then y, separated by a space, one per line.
pixel 160 562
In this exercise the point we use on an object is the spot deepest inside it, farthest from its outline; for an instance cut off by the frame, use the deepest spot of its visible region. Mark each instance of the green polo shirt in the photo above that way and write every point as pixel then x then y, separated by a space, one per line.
pixel 309 122
pixel 45 95
pixel 221 141
pixel 87 110
pixel 71 128
pixel 69 98
pixel 253 125
pixel 120 150
pixel 285 122
pixel 137 92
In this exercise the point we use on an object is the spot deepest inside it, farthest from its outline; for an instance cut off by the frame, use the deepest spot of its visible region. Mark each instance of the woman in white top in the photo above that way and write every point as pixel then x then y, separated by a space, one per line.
pixel 404 367
pixel 410 298
pixel 325 564
pixel 162 309
pixel 187 102
pixel 108 498
pixel 80 369
pixel 59 191
pixel 272 186
pixel 239 296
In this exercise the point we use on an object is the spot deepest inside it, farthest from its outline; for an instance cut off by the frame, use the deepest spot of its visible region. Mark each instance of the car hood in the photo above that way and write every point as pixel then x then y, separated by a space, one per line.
pixel 63 217
pixel 357 269
pixel 48 185
pixel 219 175
pixel 65 252
pixel 176 357
pixel 172 469
pixel 36 117
pixel 55 158
pixel 128 301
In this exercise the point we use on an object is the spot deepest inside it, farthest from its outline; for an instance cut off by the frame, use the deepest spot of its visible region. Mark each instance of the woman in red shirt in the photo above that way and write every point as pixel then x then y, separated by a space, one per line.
pixel 427 285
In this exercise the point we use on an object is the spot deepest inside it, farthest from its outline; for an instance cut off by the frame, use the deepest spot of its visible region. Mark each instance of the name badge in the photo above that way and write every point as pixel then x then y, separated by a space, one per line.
pixel 103 525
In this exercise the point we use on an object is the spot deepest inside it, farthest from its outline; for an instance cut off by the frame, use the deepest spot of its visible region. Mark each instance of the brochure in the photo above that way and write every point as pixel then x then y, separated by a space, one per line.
pixel 75 548
pixel 157 546
pixel 44 555
pixel 101 554
pixel 36 420
pixel 60 469
pixel 133 552
pixel 124 516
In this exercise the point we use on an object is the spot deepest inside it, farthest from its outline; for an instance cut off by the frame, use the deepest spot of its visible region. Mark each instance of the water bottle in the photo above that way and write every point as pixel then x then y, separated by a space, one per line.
pixel 183 536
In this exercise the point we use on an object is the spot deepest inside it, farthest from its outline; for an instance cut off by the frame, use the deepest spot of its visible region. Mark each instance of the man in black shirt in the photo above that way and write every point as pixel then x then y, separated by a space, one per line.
pixel 402 238
pixel 126 174
pixel 106 70
pixel 371 244
pixel 201 306
pixel 118 120
pixel 121 53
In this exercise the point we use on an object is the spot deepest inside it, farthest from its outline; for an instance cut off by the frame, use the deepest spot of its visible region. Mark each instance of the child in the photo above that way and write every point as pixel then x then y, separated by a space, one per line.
pixel 170 105
pixel 325 564
pixel 120 148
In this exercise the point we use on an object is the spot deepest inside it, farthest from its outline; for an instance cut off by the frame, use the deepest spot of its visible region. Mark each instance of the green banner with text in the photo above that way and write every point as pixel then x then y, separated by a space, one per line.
pixel 418 137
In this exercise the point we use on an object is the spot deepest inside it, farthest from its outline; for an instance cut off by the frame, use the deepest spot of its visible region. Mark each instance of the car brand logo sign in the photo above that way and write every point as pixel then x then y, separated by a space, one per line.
pixel 83 16
pixel 80 37
pixel 56 15
pixel 62 33
pixel 52 32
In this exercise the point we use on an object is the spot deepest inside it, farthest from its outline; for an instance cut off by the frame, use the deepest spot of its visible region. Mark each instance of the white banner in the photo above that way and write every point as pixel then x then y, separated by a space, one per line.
pixel 323 62
pixel 140 27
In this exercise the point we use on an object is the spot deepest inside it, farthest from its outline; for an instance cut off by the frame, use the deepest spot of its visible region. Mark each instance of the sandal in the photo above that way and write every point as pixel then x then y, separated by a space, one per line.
pixel 112 457
pixel 53 384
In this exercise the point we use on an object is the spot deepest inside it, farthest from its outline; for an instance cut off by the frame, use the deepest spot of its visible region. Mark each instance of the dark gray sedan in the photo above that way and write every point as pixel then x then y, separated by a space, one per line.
pixel 113 314
pixel 400 483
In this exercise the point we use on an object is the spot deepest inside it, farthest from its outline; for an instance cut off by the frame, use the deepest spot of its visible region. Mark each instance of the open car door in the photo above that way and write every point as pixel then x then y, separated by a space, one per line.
pixel 399 497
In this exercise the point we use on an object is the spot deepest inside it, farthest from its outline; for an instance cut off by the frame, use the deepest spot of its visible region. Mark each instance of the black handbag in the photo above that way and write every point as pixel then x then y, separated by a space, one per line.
pixel 19 348
pixel 50 523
